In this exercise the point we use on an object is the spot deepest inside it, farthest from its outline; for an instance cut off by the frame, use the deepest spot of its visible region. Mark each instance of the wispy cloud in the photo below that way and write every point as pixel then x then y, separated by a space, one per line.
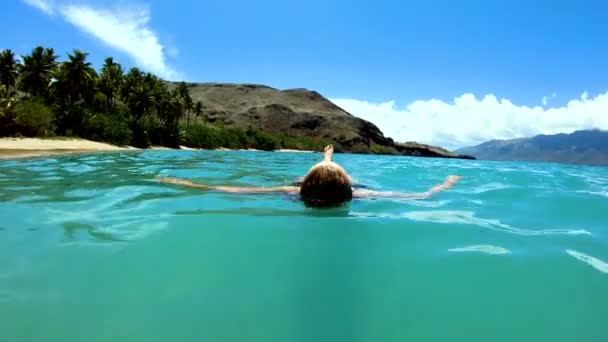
pixel 45 6
pixel 124 29
pixel 470 121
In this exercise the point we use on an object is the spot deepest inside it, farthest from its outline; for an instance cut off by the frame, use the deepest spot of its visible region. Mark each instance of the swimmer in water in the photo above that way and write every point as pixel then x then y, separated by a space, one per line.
pixel 326 184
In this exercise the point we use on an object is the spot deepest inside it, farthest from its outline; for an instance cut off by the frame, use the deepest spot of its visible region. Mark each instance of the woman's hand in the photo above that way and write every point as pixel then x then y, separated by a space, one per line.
pixel 452 179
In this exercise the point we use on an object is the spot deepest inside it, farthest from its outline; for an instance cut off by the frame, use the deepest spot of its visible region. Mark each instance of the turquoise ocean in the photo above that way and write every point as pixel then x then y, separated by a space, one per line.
pixel 92 248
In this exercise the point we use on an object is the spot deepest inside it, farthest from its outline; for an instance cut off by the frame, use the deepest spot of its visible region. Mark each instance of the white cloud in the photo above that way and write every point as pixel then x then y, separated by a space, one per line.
pixel 124 29
pixel 470 121
pixel 45 6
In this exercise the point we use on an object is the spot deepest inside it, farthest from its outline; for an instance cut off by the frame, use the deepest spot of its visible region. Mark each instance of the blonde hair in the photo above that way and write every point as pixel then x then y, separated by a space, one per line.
pixel 326 185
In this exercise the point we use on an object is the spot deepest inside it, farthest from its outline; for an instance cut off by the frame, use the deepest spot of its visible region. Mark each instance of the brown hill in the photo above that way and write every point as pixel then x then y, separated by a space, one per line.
pixel 298 113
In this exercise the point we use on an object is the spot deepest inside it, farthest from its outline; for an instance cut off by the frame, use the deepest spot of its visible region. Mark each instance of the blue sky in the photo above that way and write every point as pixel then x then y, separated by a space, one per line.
pixel 403 65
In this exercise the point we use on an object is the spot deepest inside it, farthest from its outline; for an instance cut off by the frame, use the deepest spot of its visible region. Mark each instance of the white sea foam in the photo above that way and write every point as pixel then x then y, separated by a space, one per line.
pixel 591 261
pixel 542 172
pixel 488 249
pixel 427 204
pixel 468 217
pixel 49 178
pixel 598 193
pixel 489 187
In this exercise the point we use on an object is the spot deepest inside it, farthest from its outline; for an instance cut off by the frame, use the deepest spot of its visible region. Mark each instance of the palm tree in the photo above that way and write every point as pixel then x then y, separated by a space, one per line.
pixel 130 81
pixel 7 100
pixel 198 109
pixel 9 69
pixel 110 81
pixel 184 93
pixel 37 70
pixel 76 77
pixel 170 108
pixel 142 93
pixel 188 107
pixel 7 114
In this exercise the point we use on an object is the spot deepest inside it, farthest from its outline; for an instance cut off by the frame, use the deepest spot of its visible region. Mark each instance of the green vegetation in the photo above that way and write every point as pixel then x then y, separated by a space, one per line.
pixel 33 118
pixel 43 97
pixel 380 149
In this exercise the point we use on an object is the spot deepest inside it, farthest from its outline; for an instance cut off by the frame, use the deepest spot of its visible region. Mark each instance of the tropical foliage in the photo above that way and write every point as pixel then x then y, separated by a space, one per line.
pixel 40 95
pixel 9 67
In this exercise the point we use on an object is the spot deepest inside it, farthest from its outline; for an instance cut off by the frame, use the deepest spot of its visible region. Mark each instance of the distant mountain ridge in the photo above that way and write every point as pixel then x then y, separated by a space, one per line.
pixel 588 147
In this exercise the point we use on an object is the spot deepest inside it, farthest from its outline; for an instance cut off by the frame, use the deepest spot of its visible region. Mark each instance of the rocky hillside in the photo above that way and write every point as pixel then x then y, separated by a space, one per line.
pixel 298 113
pixel 581 147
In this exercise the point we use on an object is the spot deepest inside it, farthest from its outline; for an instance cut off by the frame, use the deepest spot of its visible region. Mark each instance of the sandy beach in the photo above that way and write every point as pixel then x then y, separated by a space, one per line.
pixel 290 150
pixel 36 147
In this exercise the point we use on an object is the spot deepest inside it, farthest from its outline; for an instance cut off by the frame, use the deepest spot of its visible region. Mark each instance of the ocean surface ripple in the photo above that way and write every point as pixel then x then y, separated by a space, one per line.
pixel 78 225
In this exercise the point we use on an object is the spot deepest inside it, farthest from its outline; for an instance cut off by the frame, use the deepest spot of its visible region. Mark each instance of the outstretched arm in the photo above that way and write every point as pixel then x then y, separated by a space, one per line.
pixel 448 183
pixel 232 189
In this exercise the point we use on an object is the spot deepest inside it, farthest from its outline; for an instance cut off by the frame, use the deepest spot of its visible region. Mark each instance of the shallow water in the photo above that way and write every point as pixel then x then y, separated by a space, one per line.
pixel 92 248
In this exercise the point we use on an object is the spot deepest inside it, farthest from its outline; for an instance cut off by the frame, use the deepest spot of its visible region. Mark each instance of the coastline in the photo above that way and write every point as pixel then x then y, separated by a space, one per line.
pixel 14 148
pixel 11 148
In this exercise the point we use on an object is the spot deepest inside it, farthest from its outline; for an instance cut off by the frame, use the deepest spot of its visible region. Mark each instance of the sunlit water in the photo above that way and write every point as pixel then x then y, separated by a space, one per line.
pixel 92 248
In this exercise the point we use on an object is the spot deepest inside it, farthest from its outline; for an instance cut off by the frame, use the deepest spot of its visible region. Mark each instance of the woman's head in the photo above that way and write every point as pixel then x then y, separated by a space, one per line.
pixel 326 185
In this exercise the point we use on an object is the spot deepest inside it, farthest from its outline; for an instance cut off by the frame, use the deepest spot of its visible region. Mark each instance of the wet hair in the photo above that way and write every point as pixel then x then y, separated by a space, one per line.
pixel 325 186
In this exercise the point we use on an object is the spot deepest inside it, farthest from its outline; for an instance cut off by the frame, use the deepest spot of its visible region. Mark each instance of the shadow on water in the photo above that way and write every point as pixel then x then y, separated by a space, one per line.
pixel 71 229
pixel 326 303
pixel 272 212
pixel 323 255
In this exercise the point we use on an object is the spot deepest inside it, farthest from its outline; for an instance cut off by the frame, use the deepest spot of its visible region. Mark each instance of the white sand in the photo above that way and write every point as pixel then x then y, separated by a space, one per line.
pixel 290 150
pixel 35 147
pixel 32 147
pixel 36 144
